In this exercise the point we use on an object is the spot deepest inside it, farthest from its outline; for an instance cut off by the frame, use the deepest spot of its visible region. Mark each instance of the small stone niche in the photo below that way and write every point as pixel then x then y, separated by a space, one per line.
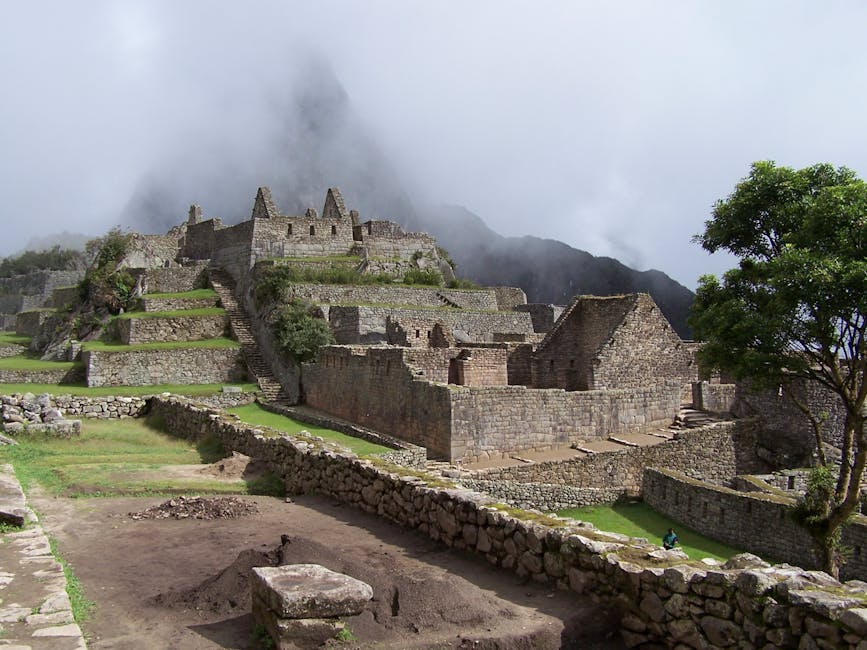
pixel 300 605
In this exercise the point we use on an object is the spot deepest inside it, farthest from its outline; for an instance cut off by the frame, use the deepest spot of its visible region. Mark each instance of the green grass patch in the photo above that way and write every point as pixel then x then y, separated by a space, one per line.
pixel 640 520
pixel 114 458
pixel 255 414
pixel 11 338
pixel 100 346
pixel 175 313
pixel 192 390
pixel 82 607
pixel 21 362
pixel 195 294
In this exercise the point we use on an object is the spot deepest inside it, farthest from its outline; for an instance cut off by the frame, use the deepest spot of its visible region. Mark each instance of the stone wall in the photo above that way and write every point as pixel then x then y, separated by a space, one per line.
pixel 717 453
pixel 543 496
pixel 759 522
pixel 64 297
pixel 39 283
pixel 284 236
pixel 174 304
pixel 62 375
pixel 715 398
pixel 781 417
pixel 492 422
pixel 232 249
pixel 193 365
pixel 131 331
pixel 29 323
pixel 368 325
pixel 664 598
pixel 173 279
pixel 508 298
pixel 374 294
pixel 374 388
pixel 544 316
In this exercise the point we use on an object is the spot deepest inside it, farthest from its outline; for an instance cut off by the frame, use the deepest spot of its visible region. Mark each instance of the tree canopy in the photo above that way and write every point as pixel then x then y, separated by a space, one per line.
pixel 795 306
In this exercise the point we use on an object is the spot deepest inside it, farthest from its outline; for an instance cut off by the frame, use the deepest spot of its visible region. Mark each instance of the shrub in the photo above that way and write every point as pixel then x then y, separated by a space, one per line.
pixel 423 276
pixel 299 333
pixel 462 283
pixel 53 259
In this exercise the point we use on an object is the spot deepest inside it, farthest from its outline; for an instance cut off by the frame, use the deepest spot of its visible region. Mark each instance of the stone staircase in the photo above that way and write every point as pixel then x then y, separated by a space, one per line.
pixel 448 302
pixel 691 418
pixel 242 329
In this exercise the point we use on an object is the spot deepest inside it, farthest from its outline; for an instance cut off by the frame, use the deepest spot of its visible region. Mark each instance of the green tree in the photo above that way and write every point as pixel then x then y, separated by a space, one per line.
pixel 794 310
pixel 299 333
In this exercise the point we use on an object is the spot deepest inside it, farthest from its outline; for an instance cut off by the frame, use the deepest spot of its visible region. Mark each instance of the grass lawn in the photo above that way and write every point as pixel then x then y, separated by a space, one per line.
pixel 195 294
pixel 192 390
pixel 640 520
pixel 177 313
pixel 21 362
pixel 255 414
pixel 7 338
pixel 113 458
pixel 99 346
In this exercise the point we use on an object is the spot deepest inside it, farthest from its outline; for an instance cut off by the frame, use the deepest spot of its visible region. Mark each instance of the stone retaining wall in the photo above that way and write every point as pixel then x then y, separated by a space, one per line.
pixel 174 304
pixel 64 297
pixel 759 522
pixel 481 299
pixel 172 366
pixel 63 375
pixel 404 453
pixel 715 398
pixel 29 323
pixel 543 496
pixel 716 453
pixel 665 599
pixel 174 279
pixel 368 325
pixel 131 331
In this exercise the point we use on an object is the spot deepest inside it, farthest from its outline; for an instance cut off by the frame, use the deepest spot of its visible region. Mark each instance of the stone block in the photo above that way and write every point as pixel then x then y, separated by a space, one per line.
pixel 309 591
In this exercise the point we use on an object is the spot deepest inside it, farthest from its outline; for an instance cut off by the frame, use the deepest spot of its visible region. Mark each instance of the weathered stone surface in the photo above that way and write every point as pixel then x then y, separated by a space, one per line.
pixel 856 620
pixel 720 632
pixel 309 591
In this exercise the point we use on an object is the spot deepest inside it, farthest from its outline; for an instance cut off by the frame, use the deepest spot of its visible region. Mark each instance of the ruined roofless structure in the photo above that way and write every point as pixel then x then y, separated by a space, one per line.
pixel 270 234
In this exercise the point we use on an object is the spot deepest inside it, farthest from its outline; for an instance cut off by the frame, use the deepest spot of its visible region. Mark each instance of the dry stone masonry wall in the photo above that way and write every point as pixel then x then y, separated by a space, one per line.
pixel 193 365
pixel 758 522
pixel 664 598
pixel 714 453
pixel 131 331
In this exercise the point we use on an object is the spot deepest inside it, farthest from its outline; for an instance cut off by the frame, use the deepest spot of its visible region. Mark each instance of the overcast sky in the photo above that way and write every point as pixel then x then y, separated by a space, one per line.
pixel 612 126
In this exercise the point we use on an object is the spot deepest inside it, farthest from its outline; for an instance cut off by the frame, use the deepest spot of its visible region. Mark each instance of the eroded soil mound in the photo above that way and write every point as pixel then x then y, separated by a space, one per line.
pixel 198 508
pixel 227 593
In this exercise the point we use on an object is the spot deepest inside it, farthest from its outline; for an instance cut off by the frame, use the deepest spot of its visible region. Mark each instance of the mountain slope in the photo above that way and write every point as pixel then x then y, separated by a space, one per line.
pixel 548 271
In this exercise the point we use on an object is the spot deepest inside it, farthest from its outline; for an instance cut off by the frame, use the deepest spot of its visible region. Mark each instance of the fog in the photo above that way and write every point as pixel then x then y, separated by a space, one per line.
pixel 612 127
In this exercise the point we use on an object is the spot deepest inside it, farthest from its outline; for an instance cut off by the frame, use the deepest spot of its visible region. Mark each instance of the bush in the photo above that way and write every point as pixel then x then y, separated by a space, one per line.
pixel 53 259
pixel 299 333
pixel 462 283
pixel 106 287
pixel 423 276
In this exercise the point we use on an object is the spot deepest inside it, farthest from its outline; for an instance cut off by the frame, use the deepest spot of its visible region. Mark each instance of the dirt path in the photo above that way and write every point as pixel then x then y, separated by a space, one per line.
pixel 181 584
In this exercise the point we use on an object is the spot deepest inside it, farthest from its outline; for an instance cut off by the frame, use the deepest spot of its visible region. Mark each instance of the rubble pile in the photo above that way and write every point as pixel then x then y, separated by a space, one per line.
pixel 198 508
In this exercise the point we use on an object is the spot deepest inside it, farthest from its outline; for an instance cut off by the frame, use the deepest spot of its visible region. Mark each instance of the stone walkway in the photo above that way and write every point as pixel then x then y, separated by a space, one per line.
pixel 35 612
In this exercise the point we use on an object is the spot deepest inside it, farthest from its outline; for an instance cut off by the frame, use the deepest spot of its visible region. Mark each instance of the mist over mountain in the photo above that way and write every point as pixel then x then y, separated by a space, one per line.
pixel 310 139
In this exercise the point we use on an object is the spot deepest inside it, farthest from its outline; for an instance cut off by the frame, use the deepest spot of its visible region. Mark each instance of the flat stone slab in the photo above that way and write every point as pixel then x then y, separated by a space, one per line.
pixel 309 591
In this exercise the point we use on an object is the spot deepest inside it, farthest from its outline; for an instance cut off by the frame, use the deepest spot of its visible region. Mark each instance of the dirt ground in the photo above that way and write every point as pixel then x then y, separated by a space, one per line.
pixel 183 583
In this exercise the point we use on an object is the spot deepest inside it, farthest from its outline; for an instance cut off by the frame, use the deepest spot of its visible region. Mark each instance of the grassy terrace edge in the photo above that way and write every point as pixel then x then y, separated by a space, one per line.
pixel 193 294
pixel 176 313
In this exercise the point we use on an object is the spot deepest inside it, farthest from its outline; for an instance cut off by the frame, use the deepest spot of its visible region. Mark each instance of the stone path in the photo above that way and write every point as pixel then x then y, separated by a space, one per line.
pixel 35 612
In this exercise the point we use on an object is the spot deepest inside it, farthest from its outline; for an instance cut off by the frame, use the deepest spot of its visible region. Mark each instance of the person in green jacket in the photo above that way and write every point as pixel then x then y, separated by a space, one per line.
pixel 669 539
